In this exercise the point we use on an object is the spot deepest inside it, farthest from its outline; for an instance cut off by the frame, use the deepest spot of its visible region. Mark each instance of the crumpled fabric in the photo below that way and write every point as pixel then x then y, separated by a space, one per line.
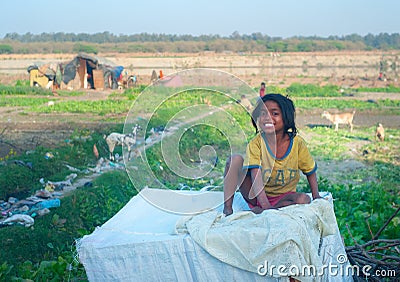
pixel 289 236
pixel 23 219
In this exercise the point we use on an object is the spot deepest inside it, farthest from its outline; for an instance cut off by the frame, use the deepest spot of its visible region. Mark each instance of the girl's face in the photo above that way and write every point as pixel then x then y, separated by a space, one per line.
pixel 270 119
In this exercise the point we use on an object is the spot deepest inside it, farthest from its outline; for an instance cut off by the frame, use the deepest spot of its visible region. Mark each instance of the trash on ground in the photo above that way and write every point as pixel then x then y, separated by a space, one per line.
pixel 22 212
pixel 22 219
pixel 48 155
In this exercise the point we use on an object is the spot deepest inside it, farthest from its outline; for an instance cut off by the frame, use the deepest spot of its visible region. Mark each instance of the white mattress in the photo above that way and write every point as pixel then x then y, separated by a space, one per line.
pixel 139 243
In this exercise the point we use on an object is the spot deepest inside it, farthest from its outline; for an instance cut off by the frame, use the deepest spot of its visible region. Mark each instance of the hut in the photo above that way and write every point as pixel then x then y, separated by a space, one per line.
pixel 82 72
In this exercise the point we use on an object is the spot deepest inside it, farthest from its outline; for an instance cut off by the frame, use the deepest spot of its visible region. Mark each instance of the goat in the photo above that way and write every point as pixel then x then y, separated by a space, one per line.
pixel 380 132
pixel 336 119
pixel 118 139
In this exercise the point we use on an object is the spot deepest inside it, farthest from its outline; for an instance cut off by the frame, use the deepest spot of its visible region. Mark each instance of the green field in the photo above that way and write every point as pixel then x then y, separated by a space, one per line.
pixel 362 174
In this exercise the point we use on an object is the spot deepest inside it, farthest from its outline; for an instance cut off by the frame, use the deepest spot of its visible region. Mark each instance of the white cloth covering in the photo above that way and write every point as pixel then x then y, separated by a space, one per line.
pixel 140 243
pixel 289 236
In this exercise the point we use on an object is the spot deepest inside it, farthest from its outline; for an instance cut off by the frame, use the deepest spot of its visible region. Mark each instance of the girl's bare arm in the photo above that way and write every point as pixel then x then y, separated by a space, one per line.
pixel 258 189
pixel 312 181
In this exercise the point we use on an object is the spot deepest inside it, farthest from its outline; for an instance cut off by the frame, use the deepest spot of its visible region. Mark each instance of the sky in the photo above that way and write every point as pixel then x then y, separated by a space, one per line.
pixel 279 18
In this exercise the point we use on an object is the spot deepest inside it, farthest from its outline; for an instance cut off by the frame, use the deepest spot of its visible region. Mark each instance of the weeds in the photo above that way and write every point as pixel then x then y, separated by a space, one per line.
pixel 364 198
pixel 23 89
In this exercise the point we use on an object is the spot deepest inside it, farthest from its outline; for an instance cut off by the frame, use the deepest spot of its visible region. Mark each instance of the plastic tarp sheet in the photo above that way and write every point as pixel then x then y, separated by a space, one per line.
pixel 70 71
pixel 140 243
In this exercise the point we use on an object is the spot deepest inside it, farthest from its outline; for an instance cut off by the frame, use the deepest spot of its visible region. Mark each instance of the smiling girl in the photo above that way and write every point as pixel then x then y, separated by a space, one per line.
pixel 268 176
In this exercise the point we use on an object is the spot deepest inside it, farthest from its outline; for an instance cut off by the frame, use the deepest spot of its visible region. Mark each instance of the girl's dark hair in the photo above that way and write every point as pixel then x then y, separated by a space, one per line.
pixel 287 108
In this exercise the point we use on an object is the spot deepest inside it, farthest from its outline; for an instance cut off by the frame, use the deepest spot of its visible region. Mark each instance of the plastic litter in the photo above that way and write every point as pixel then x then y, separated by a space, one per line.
pixel 88 184
pixel 5 212
pixel 71 177
pixel 49 187
pixel 43 212
pixel 59 185
pixel 24 208
pixel 23 219
pixel 48 155
pixel 52 203
pixel 71 168
pixel 22 212
pixel 57 194
pixel 22 163
pixel 45 194
pixel 12 200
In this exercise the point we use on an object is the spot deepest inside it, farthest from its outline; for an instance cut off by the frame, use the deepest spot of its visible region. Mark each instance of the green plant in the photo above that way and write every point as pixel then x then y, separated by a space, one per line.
pixel 85 48
pixel 45 253
pixel 342 104
pixel 102 107
pixel 6 49
pixel 361 210
pixel 388 89
pixel 311 90
pixel 364 198
pixel 22 83
pixel 21 101
pixel 5 270
pixel 23 89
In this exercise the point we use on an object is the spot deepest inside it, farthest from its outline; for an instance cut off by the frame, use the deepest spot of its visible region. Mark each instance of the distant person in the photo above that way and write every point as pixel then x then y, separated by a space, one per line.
pixel 262 89
pixel 161 75
pixel 154 76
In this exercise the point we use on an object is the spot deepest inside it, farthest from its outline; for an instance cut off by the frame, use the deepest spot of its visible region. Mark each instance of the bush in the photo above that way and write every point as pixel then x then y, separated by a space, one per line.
pixel 85 48
pixel 6 49
pixel 311 90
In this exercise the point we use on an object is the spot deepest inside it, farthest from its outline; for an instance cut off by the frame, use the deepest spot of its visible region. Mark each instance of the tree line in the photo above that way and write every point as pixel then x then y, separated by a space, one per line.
pixel 61 42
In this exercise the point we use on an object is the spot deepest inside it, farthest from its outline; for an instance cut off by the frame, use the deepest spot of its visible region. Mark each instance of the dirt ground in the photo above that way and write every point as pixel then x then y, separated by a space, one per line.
pixel 347 68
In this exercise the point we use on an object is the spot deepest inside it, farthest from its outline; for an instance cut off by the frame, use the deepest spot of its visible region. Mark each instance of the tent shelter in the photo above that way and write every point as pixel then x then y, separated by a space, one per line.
pixel 84 71
pixel 43 76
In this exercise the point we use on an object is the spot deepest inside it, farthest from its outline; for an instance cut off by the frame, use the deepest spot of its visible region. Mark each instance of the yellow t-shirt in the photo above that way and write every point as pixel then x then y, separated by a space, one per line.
pixel 279 175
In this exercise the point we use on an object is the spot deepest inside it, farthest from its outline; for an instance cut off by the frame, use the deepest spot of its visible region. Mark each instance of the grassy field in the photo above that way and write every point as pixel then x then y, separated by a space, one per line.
pixel 361 173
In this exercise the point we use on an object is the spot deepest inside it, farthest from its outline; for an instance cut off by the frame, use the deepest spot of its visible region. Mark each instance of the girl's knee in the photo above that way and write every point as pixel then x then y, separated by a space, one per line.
pixel 303 198
pixel 235 161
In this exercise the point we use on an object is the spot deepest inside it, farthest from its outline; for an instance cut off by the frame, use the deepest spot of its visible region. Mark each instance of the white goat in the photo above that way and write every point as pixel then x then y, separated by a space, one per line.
pixel 336 119
pixel 118 139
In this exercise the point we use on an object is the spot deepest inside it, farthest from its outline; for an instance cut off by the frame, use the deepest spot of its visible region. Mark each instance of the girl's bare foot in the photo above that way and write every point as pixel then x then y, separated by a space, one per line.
pixel 227 211
pixel 257 210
